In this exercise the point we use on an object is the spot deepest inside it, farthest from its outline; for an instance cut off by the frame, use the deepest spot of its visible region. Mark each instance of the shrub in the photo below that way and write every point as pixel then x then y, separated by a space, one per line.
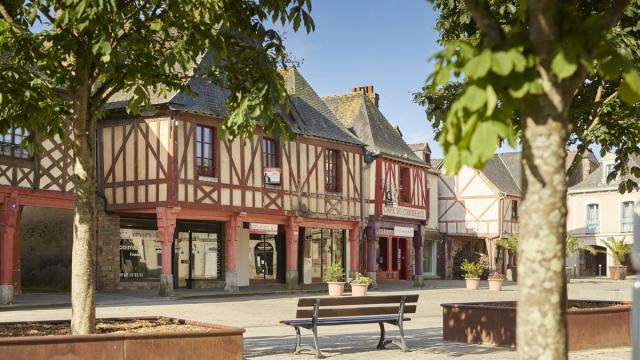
pixel 472 270
pixel 361 279
pixel 471 256
pixel 496 276
pixel 334 273
pixel 619 249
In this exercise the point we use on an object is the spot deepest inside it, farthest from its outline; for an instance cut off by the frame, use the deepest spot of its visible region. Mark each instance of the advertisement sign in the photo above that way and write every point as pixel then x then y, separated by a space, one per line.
pixel 405 212
pixel 403 231
pixel 264 229
pixel 272 176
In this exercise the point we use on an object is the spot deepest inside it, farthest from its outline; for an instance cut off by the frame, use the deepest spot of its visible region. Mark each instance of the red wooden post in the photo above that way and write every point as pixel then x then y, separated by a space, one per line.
pixel 354 247
pixel 232 233
pixel 8 223
pixel 166 218
pixel 291 233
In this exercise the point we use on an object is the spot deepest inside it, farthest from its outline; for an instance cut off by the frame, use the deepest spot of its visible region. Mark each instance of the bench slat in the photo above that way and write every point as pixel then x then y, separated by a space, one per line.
pixel 343 321
pixel 357 300
pixel 362 311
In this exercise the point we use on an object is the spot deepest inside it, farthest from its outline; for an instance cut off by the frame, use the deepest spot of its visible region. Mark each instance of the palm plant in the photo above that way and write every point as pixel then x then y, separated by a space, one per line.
pixel 619 249
pixel 574 245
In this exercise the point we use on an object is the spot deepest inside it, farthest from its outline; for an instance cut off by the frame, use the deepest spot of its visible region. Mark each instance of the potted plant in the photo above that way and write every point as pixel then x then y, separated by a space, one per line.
pixel 619 249
pixel 472 273
pixel 360 284
pixel 572 246
pixel 495 281
pixel 511 244
pixel 334 277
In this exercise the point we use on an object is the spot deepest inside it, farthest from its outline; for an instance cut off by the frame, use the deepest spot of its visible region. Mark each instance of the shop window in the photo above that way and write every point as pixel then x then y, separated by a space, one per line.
pixel 270 153
pixel 10 144
pixel 593 218
pixel 205 151
pixel 429 258
pixel 140 254
pixel 323 247
pixel 404 185
pixel 627 216
pixel 332 171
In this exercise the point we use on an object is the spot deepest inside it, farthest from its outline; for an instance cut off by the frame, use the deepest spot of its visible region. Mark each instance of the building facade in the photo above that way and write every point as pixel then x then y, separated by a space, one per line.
pixel 396 182
pixel 598 212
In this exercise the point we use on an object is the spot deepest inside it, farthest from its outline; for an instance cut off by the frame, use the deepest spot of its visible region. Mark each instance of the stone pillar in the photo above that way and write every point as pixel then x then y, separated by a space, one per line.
pixel 371 254
pixel 8 223
pixel 354 256
pixel 232 232
pixel 166 227
pixel 291 233
pixel 418 246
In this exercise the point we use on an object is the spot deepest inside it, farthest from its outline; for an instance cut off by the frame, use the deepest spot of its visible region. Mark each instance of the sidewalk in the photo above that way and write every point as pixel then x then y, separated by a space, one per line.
pixel 584 288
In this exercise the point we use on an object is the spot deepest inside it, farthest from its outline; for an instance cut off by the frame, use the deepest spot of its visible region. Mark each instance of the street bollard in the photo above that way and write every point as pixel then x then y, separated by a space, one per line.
pixel 599 270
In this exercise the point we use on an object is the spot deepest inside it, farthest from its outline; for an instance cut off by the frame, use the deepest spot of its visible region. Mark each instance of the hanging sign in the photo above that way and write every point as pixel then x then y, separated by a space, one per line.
pixel 403 231
pixel 264 229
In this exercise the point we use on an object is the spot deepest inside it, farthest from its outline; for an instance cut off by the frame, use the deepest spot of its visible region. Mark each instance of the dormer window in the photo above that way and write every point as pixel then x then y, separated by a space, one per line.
pixel 426 157
pixel 10 144
pixel 610 168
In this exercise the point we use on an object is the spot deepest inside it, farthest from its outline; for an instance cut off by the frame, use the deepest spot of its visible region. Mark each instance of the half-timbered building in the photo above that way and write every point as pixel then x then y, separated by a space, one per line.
pixel 396 184
pixel 198 210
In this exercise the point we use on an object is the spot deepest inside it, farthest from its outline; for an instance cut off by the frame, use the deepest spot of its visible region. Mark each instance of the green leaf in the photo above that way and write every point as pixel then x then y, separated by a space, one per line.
pixel 501 63
pixel 156 25
pixel 492 99
pixel 473 98
pixel 520 90
pixel 479 65
pixel 483 143
pixel 564 63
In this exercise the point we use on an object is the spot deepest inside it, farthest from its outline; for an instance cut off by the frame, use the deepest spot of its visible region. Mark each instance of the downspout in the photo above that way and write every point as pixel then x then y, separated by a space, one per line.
pixel 368 159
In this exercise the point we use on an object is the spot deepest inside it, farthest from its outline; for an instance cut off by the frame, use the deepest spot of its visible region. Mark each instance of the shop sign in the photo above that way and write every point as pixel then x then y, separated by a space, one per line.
pixel 405 212
pixel 264 229
pixel 385 232
pixel 403 231
pixel 272 176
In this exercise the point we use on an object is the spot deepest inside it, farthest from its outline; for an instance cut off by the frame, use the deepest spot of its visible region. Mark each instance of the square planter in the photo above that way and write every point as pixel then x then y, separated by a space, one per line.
pixel 213 342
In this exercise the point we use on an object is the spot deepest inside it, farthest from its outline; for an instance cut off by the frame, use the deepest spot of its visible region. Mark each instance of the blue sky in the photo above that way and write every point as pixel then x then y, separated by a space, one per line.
pixel 382 43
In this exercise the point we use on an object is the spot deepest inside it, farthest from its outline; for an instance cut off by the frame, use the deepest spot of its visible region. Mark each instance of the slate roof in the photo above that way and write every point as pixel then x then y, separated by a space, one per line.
pixel 594 180
pixel 503 170
pixel 360 115
pixel 313 116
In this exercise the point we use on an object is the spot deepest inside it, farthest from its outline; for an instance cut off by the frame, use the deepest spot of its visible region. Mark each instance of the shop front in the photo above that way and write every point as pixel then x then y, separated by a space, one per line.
pixel 267 254
pixel 393 252
pixel 320 248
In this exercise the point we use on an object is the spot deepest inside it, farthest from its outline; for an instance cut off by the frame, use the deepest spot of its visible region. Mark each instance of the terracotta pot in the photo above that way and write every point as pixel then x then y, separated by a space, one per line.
pixel 618 272
pixel 336 288
pixel 495 285
pixel 473 284
pixel 359 289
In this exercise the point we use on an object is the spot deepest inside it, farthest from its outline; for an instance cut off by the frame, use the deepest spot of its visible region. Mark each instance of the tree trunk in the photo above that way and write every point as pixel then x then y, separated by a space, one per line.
pixel 541 319
pixel 83 258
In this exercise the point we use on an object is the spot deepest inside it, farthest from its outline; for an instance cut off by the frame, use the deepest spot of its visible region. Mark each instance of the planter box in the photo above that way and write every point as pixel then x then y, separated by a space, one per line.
pixel 495 323
pixel 216 342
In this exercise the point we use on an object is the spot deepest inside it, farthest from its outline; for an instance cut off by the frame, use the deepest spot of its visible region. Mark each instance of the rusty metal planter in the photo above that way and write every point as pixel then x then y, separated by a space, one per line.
pixel 495 323
pixel 217 342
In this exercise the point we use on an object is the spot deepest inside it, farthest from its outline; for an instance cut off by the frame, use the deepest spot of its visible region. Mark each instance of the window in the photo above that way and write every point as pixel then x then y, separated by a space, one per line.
pixel 610 169
pixel 514 209
pixel 205 151
pixel 10 144
pixel 404 185
pixel 270 155
pixel 140 254
pixel 426 157
pixel 627 216
pixel 592 218
pixel 331 171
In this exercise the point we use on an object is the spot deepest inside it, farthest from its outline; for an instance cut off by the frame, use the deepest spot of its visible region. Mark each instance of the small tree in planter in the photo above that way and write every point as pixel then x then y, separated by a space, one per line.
pixel 511 244
pixel 619 249
pixel 334 277
pixel 360 284
pixel 495 281
pixel 472 272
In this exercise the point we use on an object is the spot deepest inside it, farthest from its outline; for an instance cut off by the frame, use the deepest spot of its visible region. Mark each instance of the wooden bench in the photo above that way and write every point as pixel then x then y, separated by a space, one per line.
pixel 314 312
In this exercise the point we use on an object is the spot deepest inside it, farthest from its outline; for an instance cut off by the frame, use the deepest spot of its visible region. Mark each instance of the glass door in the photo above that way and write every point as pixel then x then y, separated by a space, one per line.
pixel 429 258
pixel 264 255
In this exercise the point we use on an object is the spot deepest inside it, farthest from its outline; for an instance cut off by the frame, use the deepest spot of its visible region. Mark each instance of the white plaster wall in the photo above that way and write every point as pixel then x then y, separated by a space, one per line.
pixel 433 201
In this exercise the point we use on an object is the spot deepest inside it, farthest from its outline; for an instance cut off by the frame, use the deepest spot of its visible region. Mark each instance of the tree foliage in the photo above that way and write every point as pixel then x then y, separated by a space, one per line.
pixel 474 93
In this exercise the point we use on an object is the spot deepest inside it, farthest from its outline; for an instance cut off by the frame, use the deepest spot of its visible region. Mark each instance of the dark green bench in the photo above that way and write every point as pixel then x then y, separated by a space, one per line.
pixel 332 311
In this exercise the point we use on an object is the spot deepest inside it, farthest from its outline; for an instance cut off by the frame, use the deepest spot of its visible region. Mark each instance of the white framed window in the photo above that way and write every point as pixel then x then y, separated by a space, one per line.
pixel 429 258
pixel 627 217
pixel 593 218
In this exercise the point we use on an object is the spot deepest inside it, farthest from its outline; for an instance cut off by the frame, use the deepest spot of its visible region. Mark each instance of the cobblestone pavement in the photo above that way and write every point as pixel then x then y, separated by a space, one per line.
pixel 266 339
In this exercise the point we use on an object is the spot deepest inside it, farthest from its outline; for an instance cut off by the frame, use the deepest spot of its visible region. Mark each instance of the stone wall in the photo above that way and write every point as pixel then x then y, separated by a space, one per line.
pixel 108 250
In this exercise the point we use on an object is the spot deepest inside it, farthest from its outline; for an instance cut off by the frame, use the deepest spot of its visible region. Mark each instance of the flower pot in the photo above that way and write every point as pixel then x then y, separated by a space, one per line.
pixel 336 288
pixel 473 284
pixel 359 289
pixel 618 272
pixel 495 285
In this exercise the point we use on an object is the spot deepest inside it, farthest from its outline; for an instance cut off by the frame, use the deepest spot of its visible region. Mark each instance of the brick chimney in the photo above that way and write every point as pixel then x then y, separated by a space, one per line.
pixel 368 90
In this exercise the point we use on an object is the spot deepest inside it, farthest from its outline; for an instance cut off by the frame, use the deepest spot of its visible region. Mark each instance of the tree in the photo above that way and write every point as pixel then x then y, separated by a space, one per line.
pixel 545 74
pixel 63 60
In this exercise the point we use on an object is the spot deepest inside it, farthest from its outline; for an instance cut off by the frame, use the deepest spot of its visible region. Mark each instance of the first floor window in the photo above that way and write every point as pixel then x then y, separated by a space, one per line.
pixel 205 150
pixel 627 216
pixel 593 218
pixel 404 185
pixel 270 158
pixel 331 171
pixel 10 144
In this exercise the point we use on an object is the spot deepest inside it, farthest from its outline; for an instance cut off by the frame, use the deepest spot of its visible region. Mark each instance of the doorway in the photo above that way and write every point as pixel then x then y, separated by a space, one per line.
pixel 267 257
pixel 399 257
pixel 392 257
pixel 198 255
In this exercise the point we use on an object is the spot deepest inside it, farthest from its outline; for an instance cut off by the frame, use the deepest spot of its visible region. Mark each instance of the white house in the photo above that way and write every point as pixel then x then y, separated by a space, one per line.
pixel 597 212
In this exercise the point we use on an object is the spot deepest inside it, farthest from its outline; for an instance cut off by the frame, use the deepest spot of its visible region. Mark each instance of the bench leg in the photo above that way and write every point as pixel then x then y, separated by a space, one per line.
pixel 382 344
pixel 299 347
pixel 317 345
pixel 402 345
